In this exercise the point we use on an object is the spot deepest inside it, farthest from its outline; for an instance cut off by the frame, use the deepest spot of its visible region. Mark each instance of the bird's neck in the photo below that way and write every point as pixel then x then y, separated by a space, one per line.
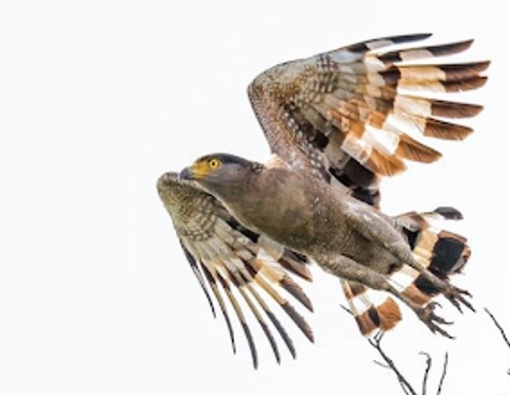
pixel 236 191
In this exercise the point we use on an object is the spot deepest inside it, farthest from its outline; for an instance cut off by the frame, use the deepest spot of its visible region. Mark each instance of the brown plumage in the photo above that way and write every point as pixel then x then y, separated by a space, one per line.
pixel 342 234
pixel 337 123
pixel 233 261
pixel 360 104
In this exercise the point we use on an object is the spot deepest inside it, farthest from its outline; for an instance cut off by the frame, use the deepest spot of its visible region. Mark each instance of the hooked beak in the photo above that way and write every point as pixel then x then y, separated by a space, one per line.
pixel 186 174
pixel 194 172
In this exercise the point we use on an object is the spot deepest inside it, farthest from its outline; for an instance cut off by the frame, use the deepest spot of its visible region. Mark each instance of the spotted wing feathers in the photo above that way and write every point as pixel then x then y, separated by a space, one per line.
pixel 237 265
pixel 357 113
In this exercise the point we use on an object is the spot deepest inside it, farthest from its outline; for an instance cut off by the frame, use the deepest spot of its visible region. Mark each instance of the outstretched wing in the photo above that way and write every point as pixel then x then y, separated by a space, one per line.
pixel 230 260
pixel 353 114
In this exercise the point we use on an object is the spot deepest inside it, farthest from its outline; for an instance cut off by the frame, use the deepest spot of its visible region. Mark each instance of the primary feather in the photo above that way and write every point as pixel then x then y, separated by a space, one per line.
pixel 355 114
pixel 225 257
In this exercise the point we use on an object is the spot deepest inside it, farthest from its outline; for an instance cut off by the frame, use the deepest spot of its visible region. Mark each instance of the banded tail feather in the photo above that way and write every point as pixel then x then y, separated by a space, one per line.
pixel 370 315
pixel 442 252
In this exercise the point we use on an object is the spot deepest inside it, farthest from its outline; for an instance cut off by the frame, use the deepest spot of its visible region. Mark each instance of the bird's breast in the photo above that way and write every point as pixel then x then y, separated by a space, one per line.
pixel 300 212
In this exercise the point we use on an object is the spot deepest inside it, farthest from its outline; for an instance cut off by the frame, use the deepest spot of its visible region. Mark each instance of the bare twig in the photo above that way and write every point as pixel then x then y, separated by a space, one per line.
pixel 382 365
pixel 428 365
pixel 388 363
pixel 406 386
pixel 498 325
pixel 376 343
pixel 347 309
pixel 500 328
pixel 443 375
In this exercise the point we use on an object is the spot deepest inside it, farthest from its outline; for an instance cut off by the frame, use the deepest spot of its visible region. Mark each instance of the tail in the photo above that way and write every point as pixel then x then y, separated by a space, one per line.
pixel 442 252
pixel 368 309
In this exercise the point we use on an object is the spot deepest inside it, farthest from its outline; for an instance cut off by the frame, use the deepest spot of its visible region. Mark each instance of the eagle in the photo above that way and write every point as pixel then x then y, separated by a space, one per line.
pixel 337 123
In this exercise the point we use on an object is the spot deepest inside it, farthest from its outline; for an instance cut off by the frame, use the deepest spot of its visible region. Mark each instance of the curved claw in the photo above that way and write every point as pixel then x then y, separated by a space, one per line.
pixel 442 332
pixel 433 304
pixel 441 320
pixel 432 320
pixel 454 295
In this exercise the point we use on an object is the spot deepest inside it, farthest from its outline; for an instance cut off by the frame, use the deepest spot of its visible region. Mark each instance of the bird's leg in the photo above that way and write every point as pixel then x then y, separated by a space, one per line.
pixel 393 241
pixel 455 295
pixel 348 269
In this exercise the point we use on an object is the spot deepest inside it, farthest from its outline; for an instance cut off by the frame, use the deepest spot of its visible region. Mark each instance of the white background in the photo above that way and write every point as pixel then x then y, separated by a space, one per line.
pixel 98 98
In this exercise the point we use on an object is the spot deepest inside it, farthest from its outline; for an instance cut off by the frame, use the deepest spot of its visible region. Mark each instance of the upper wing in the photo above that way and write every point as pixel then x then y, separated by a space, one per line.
pixel 231 260
pixel 346 114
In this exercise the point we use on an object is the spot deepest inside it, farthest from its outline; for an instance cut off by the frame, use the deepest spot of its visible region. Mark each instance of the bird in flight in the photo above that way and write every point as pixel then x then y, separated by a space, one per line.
pixel 336 124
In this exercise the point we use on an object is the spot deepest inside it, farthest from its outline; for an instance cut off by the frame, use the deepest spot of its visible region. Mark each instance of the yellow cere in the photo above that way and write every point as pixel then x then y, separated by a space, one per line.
pixel 203 167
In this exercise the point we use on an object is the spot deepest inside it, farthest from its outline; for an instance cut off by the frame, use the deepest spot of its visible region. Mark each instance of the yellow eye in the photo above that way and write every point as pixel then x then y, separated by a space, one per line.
pixel 214 163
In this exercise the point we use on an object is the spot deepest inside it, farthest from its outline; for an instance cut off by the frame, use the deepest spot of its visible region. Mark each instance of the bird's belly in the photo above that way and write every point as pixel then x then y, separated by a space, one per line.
pixel 288 226
pixel 367 253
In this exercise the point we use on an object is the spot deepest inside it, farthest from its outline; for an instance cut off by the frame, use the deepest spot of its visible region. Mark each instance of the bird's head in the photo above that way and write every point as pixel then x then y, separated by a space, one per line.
pixel 216 170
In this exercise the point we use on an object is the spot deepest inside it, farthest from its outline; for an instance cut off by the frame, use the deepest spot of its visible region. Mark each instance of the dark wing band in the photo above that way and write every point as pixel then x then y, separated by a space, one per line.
pixel 233 261
pixel 354 114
